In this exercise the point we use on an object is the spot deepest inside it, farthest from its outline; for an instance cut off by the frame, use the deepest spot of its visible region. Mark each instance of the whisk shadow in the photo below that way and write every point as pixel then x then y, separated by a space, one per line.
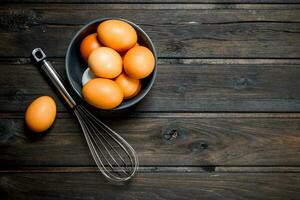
pixel 120 185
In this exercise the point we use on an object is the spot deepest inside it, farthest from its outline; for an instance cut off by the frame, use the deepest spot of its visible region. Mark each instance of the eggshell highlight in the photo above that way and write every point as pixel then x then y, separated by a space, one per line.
pixel 105 62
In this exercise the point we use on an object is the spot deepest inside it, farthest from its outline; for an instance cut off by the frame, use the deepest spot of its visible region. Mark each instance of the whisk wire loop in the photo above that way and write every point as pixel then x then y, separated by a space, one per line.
pixel 94 129
pixel 108 131
pixel 103 143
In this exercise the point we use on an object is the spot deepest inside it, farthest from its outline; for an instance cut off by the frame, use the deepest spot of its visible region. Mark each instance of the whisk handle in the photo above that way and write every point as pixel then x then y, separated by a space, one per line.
pixel 41 58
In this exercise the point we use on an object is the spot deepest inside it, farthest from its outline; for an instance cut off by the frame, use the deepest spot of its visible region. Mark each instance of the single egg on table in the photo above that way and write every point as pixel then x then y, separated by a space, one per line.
pixel 105 62
pixel 117 34
pixel 130 86
pixel 102 93
pixel 40 114
pixel 139 62
pixel 87 76
pixel 88 44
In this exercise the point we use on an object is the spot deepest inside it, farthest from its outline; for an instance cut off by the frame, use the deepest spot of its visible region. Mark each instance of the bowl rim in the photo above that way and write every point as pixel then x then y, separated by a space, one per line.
pixel 133 101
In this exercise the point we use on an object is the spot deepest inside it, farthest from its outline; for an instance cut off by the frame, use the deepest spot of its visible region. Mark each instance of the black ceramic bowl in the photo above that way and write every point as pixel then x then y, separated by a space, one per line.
pixel 75 65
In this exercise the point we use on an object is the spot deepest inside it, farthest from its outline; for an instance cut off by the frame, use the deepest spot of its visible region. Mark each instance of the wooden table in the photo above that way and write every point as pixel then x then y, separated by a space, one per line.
pixel 227 90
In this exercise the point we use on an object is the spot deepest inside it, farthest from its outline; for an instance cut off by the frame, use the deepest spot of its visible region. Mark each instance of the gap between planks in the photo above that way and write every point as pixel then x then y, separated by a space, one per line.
pixel 160 169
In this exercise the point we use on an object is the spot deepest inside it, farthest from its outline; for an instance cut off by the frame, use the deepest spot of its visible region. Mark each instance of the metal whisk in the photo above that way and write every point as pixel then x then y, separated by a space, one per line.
pixel 115 158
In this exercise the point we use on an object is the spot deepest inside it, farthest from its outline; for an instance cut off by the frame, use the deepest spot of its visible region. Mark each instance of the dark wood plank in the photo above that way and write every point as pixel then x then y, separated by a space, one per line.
pixel 151 186
pixel 179 87
pixel 156 169
pixel 194 30
pixel 199 141
pixel 152 1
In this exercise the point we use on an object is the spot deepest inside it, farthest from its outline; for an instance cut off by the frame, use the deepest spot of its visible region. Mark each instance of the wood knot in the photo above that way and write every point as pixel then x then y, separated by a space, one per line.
pixel 198 146
pixel 181 89
pixel 171 135
pixel 7 130
pixel 243 83
pixel 204 145
pixel 19 95
pixel 175 46
pixel 18 20
pixel 2 127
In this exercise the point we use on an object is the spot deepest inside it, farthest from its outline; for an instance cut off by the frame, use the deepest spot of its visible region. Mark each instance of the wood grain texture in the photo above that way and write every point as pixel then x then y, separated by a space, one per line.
pixel 153 1
pixel 248 31
pixel 207 130
pixel 178 87
pixel 155 169
pixel 151 186
pixel 196 141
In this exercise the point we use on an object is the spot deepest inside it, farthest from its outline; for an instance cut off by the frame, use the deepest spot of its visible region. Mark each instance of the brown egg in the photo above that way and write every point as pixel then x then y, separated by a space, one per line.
pixel 122 54
pixel 117 34
pixel 40 114
pixel 129 86
pixel 88 44
pixel 105 62
pixel 102 93
pixel 139 62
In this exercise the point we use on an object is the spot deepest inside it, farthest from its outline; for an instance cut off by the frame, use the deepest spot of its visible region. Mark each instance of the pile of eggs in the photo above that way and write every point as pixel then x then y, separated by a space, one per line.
pixel 116 64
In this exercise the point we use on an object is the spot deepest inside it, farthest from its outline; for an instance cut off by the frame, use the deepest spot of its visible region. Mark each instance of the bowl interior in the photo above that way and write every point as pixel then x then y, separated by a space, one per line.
pixel 75 65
